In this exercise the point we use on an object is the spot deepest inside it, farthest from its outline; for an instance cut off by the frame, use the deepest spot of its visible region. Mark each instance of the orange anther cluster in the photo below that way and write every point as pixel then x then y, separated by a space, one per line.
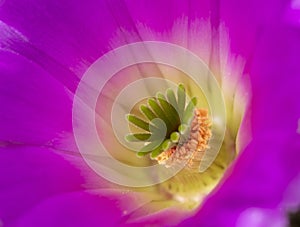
pixel 164 156
pixel 193 149
pixel 203 136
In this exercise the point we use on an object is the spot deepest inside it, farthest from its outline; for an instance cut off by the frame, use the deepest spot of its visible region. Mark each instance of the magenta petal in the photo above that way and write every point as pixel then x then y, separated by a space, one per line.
pixel 30 175
pixel 73 209
pixel 161 15
pixel 72 35
pixel 75 35
pixel 262 218
pixel 292 14
pixel 35 107
pixel 275 81
pixel 246 20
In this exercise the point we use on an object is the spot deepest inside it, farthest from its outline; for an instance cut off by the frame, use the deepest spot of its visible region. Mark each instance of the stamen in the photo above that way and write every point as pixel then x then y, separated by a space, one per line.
pixel 192 149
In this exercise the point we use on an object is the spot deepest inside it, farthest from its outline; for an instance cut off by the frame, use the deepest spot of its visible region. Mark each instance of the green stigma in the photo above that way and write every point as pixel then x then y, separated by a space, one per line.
pixel 166 122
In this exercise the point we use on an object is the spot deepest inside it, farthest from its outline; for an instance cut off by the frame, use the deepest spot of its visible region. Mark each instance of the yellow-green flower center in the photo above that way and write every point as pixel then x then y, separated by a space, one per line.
pixel 176 132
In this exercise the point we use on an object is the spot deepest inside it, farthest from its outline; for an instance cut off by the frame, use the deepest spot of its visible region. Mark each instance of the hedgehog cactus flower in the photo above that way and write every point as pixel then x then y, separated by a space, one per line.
pixel 176 116
pixel 149 113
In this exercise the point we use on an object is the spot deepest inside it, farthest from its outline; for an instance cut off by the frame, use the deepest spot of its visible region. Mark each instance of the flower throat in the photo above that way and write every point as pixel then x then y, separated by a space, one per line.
pixel 174 130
